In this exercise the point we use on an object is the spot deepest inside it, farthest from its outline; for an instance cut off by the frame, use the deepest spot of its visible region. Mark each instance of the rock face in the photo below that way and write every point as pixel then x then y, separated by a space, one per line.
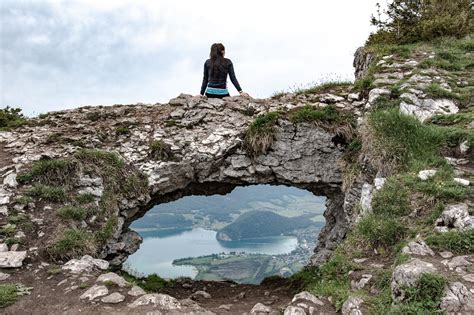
pixel 362 62
pixel 159 300
pixel 204 137
pixel 458 299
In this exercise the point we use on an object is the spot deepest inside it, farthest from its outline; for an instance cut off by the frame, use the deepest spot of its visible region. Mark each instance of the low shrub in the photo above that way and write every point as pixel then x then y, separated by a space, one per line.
pixel 11 118
pixel 454 241
pixel 381 231
pixel 259 136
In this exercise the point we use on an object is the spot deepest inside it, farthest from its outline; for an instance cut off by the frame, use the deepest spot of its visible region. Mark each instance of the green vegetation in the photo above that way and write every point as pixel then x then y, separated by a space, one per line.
pixel 401 142
pixel 48 193
pixel 424 297
pixel 160 150
pixel 311 114
pixel 254 224
pixel 259 136
pixel 437 91
pixel 380 231
pixel 71 244
pixel 122 131
pixel 54 270
pixel 322 87
pixel 72 213
pixel 406 21
pixel 11 118
pixel 51 172
pixel 85 198
pixel 8 294
pixel 454 241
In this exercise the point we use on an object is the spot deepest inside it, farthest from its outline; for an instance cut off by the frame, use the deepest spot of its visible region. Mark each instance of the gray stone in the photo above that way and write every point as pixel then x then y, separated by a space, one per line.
pixel 95 292
pixel 446 254
pixel 305 295
pixel 85 264
pixel 136 291
pixel 458 261
pixel 294 310
pixel 260 309
pixel 10 180
pixel 426 174
pixel 366 200
pixel 3 248
pixel 358 285
pixel 374 94
pixel 158 300
pixel 455 217
pixel 12 259
pixel 462 181
pixel 352 306
pixel 114 278
pixel 407 275
pixel 200 294
pixel 418 247
pixel 457 299
pixel 113 298
pixel 4 276
pixel 428 108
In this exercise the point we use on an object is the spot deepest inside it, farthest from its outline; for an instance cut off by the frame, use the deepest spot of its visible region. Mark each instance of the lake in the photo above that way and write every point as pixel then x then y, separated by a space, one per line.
pixel 160 248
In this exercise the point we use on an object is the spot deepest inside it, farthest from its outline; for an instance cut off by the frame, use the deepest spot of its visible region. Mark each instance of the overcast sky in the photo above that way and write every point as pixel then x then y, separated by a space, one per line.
pixel 62 54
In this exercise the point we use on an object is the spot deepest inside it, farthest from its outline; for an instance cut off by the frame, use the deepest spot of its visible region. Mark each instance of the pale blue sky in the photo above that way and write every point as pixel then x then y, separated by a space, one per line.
pixel 63 54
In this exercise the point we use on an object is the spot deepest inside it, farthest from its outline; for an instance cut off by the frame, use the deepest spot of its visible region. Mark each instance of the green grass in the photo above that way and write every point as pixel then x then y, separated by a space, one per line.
pixel 311 114
pixel 8 230
pixel 48 193
pixel 73 243
pixel 259 136
pixel 393 200
pixel 401 142
pixel 160 150
pixel 85 198
pixel 72 213
pixel 437 91
pixel 460 119
pixel 99 158
pixel 54 172
pixel 322 87
pixel 24 200
pixel 54 270
pixel 454 241
pixel 8 294
pixel 381 231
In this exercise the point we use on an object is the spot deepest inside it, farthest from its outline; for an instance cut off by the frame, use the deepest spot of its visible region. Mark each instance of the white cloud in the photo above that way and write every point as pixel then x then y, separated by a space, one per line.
pixel 59 54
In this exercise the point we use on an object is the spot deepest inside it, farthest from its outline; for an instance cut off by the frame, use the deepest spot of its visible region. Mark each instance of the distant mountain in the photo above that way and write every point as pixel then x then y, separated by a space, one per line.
pixel 255 224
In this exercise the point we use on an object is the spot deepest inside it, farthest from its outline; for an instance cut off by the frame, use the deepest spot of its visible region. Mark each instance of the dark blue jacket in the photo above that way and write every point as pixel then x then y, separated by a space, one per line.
pixel 219 79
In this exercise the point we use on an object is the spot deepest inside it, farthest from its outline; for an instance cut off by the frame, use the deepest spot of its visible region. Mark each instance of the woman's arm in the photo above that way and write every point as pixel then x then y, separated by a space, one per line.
pixel 205 79
pixel 233 78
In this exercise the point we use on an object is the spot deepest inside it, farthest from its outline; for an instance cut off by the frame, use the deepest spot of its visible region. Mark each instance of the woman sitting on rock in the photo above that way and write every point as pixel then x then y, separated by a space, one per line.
pixel 216 69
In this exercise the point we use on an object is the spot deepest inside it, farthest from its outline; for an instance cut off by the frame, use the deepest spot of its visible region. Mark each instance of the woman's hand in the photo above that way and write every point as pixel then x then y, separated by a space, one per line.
pixel 242 93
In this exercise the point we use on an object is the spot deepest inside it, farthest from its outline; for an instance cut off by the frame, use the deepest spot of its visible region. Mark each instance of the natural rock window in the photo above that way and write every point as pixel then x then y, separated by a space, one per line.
pixel 246 235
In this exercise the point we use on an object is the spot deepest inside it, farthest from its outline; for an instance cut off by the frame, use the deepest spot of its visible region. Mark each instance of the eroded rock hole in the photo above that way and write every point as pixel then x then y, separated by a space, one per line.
pixel 246 235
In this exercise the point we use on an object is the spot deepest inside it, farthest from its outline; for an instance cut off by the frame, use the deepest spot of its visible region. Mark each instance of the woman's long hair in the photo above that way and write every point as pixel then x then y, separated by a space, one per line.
pixel 217 58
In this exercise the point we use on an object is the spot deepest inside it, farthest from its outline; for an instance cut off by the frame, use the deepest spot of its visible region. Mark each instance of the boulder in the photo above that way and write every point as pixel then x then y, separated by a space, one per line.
pixel 455 217
pixel 294 310
pixel 95 292
pixel 418 247
pixel 136 291
pixel 12 259
pixel 426 174
pixel 113 298
pixel 457 299
pixel 305 295
pixel 407 275
pixel 85 264
pixel 352 306
pixel 163 301
pixel 260 309
pixel 114 278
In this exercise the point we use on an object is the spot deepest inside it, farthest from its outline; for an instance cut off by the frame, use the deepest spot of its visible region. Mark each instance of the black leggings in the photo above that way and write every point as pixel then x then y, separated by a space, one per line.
pixel 216 95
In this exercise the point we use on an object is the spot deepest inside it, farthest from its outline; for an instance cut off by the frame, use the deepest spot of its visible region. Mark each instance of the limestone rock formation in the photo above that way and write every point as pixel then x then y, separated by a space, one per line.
pixel 406 275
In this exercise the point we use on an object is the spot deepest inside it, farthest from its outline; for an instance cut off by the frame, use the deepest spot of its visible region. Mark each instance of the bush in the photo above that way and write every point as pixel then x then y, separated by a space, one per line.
pixel 153 283
pixel 159 150
pixel 11 118
pixel 73 243
pixel 380 231
pixel 410 21
pixel 259 136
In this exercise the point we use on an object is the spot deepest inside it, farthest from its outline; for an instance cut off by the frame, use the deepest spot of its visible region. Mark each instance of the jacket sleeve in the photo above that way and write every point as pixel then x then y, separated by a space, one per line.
pixel 233 78
pixel 205 78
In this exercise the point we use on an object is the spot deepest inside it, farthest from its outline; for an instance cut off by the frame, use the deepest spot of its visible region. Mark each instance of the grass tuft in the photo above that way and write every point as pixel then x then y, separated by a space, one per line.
pixel 73 243
pixel 160 150
pixel 259 136
pixel 454 241
pixel 72 213
pixel 48 193
pixel 8 294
